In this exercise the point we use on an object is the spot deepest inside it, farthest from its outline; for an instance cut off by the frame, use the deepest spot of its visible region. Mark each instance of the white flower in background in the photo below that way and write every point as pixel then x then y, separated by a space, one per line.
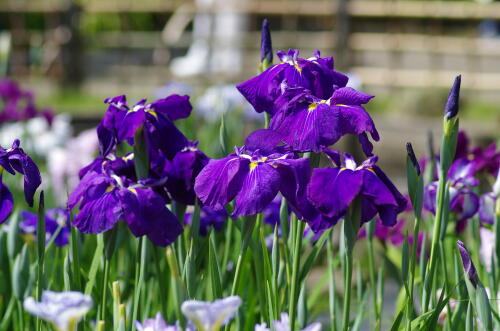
pixel 284 325
pixel 487 246
pixel 218 100
pixel 64 163
pixel 63 309
pixel 38 137
pixel 155 324
pixel 210 316
pixel 496 186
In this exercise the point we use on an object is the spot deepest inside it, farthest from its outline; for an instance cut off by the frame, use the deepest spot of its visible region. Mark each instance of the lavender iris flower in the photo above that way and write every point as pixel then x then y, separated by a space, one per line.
pixel 208 218
pixel 254 175
pixel 155 324
pixel 121 122
pixel 56 218
pixel 469 268
pixel 63 309
pixel 463 201
pixel 307 122
pixel 284 325
pixel 107 198
pixel 15 160
pixel 210 316
pixel 332 190
pixel 315 74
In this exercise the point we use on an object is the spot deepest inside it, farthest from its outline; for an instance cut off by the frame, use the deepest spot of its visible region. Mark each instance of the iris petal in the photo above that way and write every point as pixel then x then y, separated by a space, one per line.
pixel 258 190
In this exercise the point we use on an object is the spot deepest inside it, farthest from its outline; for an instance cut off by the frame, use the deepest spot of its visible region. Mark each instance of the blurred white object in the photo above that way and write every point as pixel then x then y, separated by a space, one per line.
pixel 64 162
pixel 217 35
pixel 63 309
pixel 218 100
pixel 38 138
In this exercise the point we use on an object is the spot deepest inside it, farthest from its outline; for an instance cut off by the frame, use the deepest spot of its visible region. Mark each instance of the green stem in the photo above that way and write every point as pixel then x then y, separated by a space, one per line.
pixel 298 234
pixel 435 240
pixel 247 235
pixel 139 275
pixel 373 281
pixel 351 227
pixel 104 289
pixel 331 285
pixel 413 258
pixel 77 285
pixel 347 289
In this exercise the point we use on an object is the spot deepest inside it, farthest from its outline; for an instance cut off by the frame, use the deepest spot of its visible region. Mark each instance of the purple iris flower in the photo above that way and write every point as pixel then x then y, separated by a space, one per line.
pixel 469 268
pixel 121 122
pixel 315 74
pixel 253 175
pixel 18 104
pixel 332 190
pixel 107 198
pixel 15 160
pixel 307 122
pixel 181 173
pixel 208 218
pixel 463 201
pixel 155 324
pixel 54 219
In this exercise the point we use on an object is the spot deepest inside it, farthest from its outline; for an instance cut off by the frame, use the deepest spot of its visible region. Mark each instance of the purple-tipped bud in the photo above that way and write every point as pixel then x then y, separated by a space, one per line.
pixel 266 47
pixel 469 268
pixel 413 159
pixel 451 108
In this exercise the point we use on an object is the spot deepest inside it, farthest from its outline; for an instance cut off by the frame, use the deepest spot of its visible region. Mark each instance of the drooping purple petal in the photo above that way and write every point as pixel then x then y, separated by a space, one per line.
pixel 174 106
pixel 309 128
pixel 265 141
pixel 332 190
pixel 146 214
pixel 99 215
pixel 6 202
pixel 258 190
pixel 220 180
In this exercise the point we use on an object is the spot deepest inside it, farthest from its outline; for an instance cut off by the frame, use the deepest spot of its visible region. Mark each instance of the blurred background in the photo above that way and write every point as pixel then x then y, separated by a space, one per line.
pixel 74 54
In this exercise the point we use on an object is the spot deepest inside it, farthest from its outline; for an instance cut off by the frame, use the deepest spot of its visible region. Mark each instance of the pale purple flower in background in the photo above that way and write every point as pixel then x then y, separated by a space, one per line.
pixel 487 247
pixel 64 163
pixel 155 324
pixel 210 316
pixel 63 309
pixel 284 325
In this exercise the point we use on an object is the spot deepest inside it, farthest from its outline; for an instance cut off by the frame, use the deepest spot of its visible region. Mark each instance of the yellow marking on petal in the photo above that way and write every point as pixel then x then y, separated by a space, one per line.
pixel 299 69
pixel 110 188
pixel 133 190
pixel 312 106
pixel 152 112
pixel 371 169
pixel 341 105
pixel 253 165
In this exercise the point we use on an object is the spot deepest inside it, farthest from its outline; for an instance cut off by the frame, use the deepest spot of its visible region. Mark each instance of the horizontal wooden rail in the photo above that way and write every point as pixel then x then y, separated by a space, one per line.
pixel 445 10
pixel 389 77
